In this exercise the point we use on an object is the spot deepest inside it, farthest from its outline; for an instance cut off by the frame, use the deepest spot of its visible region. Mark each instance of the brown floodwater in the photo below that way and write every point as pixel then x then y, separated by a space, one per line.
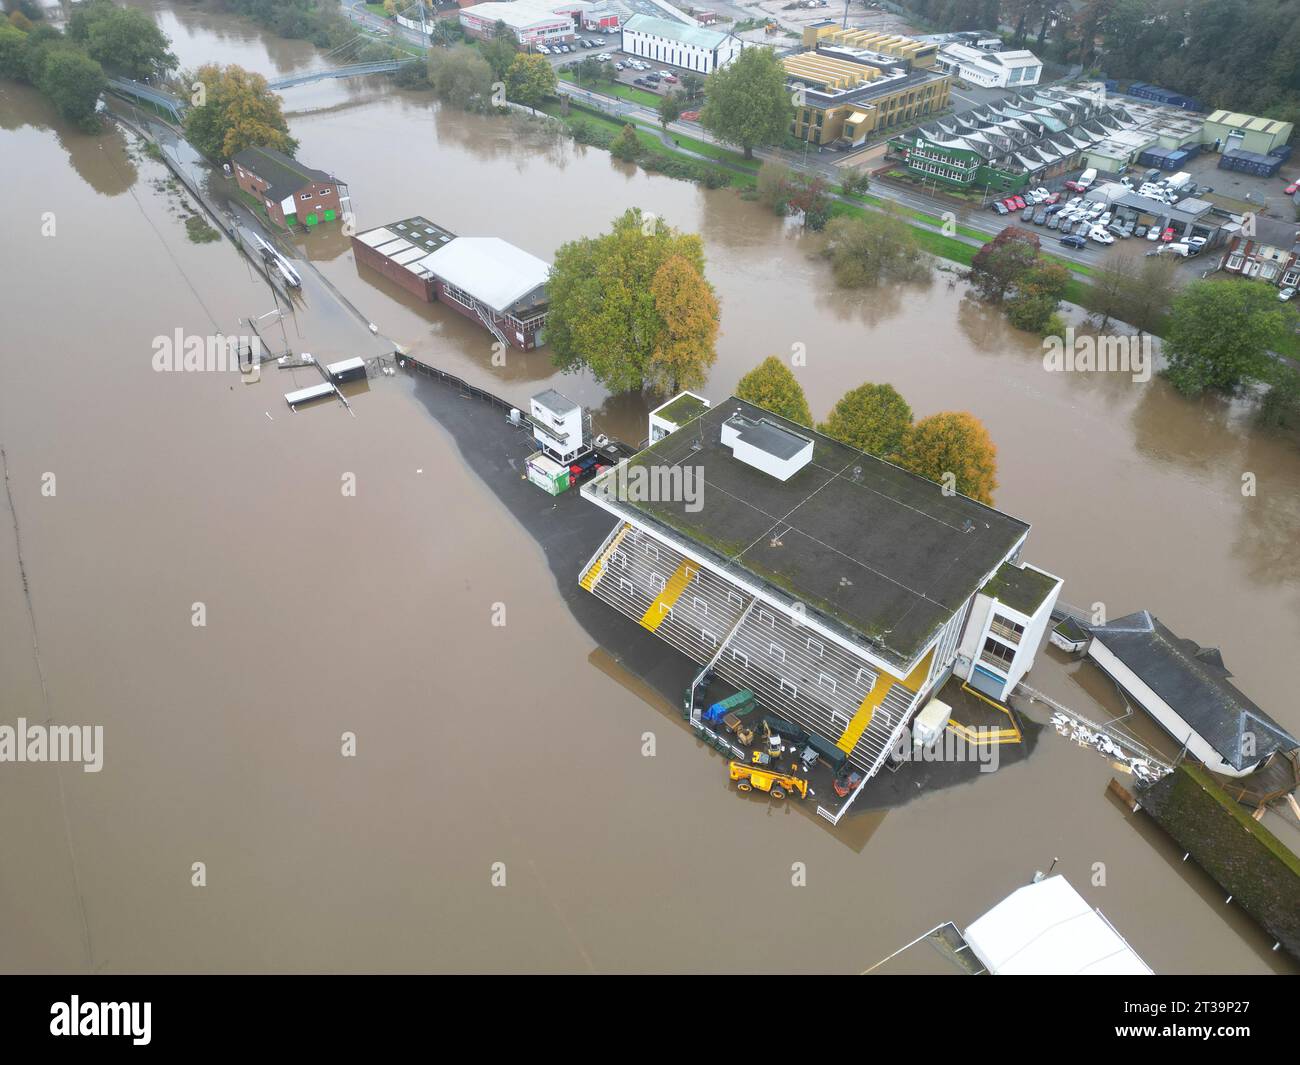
pixel 371 614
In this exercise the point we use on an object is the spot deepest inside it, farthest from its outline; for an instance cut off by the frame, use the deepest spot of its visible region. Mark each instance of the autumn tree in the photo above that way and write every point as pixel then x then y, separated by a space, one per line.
pixel 953 448
pixel 530 80
pixel 1038 292
pixel 746 102
pixel 605 314
pixel 238 112
pixel 1221 333
pixel 864 251
pixel 772 385
pixel 871 418
pixel 1002 261
pixel 689 310
pixel 809 194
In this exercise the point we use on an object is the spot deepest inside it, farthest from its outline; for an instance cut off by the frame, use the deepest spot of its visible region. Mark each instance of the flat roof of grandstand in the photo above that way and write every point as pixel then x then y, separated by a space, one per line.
pixel 881 553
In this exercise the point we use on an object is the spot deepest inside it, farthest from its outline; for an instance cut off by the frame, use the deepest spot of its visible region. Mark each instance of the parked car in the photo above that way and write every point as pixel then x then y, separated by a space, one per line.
pixel 543 49
pixel 1027 213
pixel 1292 189
pixel 1154 232
pixel 1167 235
pixel 1053 221
pixel 1019 202
pixel 1040 216
pixel 1197 242
pixel 1100 236
pixel 1286 294
pixel 1055 208
pixel 1000 207
pixel 1141 231
pixel 1072 241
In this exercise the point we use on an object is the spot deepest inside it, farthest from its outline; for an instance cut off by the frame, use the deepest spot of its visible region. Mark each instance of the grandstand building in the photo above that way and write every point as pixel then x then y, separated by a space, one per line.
pixel 842 590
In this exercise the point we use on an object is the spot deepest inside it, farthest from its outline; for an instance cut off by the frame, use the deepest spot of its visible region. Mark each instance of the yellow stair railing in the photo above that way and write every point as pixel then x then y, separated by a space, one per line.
pixel 592 575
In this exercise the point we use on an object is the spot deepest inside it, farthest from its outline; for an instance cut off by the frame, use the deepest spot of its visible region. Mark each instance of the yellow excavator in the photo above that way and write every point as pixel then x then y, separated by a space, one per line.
pixel 748 777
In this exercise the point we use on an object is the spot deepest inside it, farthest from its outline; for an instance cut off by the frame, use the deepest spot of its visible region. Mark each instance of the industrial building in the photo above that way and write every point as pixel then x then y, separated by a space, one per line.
pixel 1230 131
pixel 532 22
pixel 847 613
pixel 288 191
pixel 692 47
pixel 1030 137
pixel 1011 69
pixel 920 55
pixel 496 284
pixel 845 94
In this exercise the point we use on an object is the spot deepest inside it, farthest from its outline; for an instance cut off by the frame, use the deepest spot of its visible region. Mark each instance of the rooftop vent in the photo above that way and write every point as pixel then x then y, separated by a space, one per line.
pixel 766 446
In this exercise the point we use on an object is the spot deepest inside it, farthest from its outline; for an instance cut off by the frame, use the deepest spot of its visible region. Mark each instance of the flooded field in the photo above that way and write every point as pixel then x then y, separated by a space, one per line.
pixel 372 614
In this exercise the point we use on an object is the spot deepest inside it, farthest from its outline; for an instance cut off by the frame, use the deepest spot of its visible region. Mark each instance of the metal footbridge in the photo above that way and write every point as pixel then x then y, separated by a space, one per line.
pixel 353 70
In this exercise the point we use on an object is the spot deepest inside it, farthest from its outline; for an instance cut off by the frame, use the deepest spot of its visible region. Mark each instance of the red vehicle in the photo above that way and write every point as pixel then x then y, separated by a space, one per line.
pixel 1020 202
pixel 1167 235
pixel 844 785
pixel 1055 197
pixel 1292 189
pixel 690 116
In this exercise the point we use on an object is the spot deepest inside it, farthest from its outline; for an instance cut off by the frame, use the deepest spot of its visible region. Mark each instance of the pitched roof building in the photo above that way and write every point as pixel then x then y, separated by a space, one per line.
pixel 290 192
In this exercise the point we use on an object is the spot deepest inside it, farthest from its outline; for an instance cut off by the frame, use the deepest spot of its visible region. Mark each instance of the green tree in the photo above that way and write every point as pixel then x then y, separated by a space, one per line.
pixel 746 103
pixel 500 52
pixel 530 80
pixel 1220 335
pixel 772 385
pixel 953 448
pixel 871 418
pixel 855 183
pixel 626 145
pixel 122 39
pixel 689 309
pixel 603 313
pixel 238 112
pixel 670 109
pixel 588 70
pixel 1038 294
pixel 73 82
pixel 13 53
pixel 866 250
pixel 1111 286
pixel 460 75
pixel 1148 299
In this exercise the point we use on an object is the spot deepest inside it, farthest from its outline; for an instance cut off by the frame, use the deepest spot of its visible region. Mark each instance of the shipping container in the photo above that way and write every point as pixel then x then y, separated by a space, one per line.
pixel 548 475
pixel 1250 163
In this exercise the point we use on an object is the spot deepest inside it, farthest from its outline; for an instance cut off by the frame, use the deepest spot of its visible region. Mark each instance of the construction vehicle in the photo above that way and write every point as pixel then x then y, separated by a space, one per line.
pixel 760 758
pixel 778 785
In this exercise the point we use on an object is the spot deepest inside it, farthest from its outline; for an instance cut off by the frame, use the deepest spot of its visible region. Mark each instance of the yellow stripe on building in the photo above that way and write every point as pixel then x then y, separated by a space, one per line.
pixel 919 675
pixel 658 610
pixel 592 575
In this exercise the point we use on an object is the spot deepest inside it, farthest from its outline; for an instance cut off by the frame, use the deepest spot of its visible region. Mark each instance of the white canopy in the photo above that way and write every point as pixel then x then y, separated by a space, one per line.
pixel 490 269
pixel 1047 929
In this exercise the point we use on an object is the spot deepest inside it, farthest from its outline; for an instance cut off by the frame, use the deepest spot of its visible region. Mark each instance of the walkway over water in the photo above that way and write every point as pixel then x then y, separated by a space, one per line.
pixel 354 70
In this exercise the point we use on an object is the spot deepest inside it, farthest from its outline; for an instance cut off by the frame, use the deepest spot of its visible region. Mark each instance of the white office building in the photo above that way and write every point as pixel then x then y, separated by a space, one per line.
pixel 991 70
pixel 696 48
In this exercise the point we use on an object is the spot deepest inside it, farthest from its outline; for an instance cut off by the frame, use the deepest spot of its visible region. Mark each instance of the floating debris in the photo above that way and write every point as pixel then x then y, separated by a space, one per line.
pixel 1099 741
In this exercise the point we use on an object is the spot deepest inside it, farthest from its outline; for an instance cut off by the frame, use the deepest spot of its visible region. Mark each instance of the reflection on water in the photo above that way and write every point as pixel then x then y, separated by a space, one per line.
pixel 369 613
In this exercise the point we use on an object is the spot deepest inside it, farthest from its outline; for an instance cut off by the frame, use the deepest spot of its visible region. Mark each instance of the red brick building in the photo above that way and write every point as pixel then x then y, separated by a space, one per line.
pixel 291 193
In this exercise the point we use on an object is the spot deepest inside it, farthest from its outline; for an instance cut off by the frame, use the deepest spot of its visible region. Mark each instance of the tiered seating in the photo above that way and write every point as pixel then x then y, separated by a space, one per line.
pixel 669 594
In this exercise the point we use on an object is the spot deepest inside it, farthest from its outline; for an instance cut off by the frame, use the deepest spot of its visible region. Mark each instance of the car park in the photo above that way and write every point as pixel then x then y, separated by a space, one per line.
pixel 1073 241
pixel 1027 213
pixel 1055 208
pixel 1019 201
pixel 1197 242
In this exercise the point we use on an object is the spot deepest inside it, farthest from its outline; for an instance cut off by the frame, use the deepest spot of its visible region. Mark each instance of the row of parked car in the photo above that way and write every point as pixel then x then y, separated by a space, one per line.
pixel 581 42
